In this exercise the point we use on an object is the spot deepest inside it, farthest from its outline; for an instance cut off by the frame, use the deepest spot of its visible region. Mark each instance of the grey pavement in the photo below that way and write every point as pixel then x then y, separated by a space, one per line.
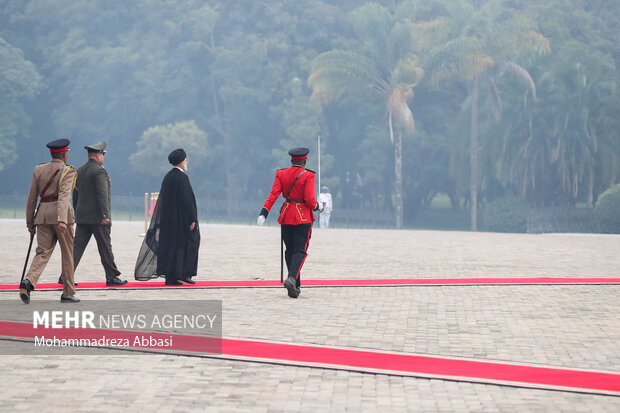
pixel 571 326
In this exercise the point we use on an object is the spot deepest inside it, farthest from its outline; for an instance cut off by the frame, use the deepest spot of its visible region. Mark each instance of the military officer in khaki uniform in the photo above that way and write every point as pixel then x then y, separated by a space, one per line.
pixel 92 203
pixel 53 221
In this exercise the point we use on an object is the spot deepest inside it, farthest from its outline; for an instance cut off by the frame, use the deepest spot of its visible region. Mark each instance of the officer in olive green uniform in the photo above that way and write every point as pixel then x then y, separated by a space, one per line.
pixel 92 203
pixel 53 183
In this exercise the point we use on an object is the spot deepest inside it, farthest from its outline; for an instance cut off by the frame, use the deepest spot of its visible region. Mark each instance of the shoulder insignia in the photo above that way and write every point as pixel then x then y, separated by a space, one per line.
pixel 281 169
pixel 64 173
pixel 310 170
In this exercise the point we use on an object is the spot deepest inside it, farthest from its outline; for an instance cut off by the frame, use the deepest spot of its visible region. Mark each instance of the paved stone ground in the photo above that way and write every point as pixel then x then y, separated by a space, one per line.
pixel 570 326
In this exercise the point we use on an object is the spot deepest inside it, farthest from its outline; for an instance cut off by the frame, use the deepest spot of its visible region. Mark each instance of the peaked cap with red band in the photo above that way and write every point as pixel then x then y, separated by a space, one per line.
pixel 299 153
pixel 59 145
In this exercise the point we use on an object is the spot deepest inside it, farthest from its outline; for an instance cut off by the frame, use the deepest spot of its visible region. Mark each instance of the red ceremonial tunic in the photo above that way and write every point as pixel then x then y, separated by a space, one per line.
pixel 299 211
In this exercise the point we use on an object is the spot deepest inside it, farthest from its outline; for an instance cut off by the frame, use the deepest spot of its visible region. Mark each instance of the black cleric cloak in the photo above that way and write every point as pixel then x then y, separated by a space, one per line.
pixel 169 248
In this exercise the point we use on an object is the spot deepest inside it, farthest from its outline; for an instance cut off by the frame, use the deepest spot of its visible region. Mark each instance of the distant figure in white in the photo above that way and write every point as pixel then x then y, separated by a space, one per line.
pixel 325 200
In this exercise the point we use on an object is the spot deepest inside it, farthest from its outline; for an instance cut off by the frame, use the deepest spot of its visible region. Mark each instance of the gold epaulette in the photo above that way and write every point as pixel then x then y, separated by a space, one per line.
pixel 64 173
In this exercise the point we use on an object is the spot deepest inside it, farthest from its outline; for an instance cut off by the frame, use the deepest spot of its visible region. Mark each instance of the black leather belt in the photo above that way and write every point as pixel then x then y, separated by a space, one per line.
pixel 294 201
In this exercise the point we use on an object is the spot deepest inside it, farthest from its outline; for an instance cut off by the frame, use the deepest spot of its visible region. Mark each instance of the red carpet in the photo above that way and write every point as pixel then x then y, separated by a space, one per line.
pixel 362 360
pixel 371 282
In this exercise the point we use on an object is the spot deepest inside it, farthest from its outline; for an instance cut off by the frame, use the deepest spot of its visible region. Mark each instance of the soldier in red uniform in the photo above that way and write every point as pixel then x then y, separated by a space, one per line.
pixel 296 184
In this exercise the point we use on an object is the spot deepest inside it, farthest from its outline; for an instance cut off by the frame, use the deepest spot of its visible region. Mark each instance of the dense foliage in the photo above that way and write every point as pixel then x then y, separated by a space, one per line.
pixel 506 214
pixel 411 98
pixel 607 210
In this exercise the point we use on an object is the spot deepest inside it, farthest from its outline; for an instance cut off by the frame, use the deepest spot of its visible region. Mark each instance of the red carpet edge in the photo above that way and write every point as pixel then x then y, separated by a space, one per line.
pixel 359 360
pixel 371 282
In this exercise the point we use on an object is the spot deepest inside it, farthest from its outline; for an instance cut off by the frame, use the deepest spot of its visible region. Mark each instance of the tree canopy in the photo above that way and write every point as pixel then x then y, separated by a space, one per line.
pixel 396 89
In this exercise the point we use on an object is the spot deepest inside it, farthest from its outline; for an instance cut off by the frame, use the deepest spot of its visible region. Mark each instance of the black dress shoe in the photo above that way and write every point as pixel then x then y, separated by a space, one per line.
pixel 69 299
pixel 60 281
pixel 115 281
pixel 188 280
pixel 298 291
pixel 174 282
pixel 291 287
pixel 24 291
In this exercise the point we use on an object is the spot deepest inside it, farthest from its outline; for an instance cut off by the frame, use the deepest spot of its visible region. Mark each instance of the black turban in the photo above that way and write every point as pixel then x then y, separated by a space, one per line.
pixel 177 156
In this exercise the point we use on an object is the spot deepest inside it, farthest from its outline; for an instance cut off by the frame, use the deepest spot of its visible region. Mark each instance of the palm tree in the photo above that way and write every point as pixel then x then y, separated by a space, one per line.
pixel 579 120
pixel 384 66
pixel 482 51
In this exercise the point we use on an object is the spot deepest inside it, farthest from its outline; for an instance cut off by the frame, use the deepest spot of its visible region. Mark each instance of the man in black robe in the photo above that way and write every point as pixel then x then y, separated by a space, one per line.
pixel 170 247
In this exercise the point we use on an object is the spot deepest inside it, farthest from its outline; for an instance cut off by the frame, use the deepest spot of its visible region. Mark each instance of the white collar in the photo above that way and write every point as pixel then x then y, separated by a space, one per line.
pixel 180 169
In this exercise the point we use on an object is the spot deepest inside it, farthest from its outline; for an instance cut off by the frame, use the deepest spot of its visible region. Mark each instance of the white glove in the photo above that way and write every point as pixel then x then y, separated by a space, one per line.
pixel 260 220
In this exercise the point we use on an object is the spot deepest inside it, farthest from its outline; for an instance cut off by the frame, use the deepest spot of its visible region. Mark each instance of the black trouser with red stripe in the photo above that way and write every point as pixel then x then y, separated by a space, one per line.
pixel 296 238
